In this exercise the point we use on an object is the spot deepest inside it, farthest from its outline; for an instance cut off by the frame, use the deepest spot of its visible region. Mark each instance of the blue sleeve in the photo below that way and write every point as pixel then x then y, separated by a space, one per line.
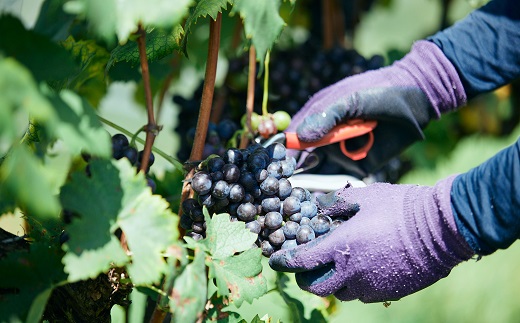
pixel 486 202
pixel 485 46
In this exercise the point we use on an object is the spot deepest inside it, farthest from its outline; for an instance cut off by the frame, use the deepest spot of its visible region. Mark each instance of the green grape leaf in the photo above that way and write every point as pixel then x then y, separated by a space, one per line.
pixel 115 197
pixel 216 312
pixel 93 247
pixel 109 17
pixel 79 127
pixel 46 60
pixel 159 44
pixel 262 23
pixel 27 281
pixel 52 21
pixel 91 58
pixel 149 225
pixel 189 292
pixel 20 98
pixel 239 277
pixel 24 178
pixel 225 238
pixel 202 9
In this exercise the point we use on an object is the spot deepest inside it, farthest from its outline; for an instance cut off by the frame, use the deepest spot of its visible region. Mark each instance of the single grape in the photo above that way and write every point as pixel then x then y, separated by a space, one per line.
pixel 232 208
pixel 233 156
pixel 282 120
pixel 269 186
pixel 305 221
pixel 215 164
pixel 216 176
pixel 284 188
pixel 299 193
pixel 231 173
pixel 267 248
pixel 206 200
pixel 248 198
pixel 197 215
pixel 277 238
pixel 308 209
pixel 287 168
pixel 151 159
pixel 289 244
pixel 276 151
pixel 220 190
pixel 226 128
pixel 274 169
pixel 321 224
pixel 290 228
pixel 130 153
pixel 261 175
pixel 220 205
pixel 236 193
pixel 257 160
pixel 305 234
pixel 201 183
pixel 271 204
pixel 255 121
pixel 266 127
pixel 119 142
pixel 246 212
pixel 273 220
pixel 254 226
pixel 296 217
pixel 186 222
pixel 198 227
pixel 291 205
pixel 188 205
pixel 195 236
pixel 247 180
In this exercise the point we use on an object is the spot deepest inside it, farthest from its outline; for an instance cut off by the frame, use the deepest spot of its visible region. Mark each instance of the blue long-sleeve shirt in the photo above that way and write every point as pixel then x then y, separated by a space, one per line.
pixel 485 49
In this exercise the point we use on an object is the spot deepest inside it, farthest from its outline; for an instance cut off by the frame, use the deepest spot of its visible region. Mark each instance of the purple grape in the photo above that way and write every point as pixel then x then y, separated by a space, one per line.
pixel 215 164
pixel 119 142
pixel 277 238
pixel 236 193
pixel 151 184
pixel 130 153
pixel 151 159
pixel 269 186
pixel 261 175
pixel 231 173
pixel 232 208
pixel 287 168
pixel 199 227
pixel 206 200
pixel 246 212
pixel 271 204
pixel 254 226
pixel 220 205
pixel 320 224
pixel 291 205
pixel 290 228
pixel 289 244
pixel 284 188
pixel 296 217
pixel 308 209
pixel 196 215
pixel 247 180
pixel 195 236
pixel 305 221
pixel 186 221
pixel 233 156
pixel 217 176
pixel 305 234
pixel 267 248
pixel 226 128
pixel 261 220
pixel 274 169
pixel 220 190
pixel 273 220
pixel 201 183
pixel 299 193
pixel 276 151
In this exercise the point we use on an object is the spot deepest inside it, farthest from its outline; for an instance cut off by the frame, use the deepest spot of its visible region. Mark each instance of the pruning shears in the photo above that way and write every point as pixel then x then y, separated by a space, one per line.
pixel 341 133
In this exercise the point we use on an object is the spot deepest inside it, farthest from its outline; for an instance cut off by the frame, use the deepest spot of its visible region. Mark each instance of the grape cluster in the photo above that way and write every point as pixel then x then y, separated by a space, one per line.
pixel 252 186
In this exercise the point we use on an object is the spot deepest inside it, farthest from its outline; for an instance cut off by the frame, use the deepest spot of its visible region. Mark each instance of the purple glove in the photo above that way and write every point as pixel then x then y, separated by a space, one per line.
pixel 403 97
pixel 403 239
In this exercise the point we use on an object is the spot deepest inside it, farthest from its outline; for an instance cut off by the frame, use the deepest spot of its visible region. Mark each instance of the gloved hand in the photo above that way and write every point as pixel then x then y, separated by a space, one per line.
pixel 402 239
pixel 402 97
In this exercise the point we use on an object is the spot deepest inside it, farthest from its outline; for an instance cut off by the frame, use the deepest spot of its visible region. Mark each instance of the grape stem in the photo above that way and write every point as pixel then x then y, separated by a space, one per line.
pixel 266 83
pixel 251 77
pixel 152 129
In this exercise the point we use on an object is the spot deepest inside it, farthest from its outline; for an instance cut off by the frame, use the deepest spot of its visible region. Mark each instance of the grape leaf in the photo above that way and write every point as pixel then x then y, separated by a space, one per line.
pixel 24 178
pixel 202 9
pixel 149 225
pixel 159 44
pixel 109 17
pixel 189 292
pixel 78 126
pixel 114 196
pixel 45 59
pixel 20 97
pixel 262 23
pixel 53 21
pixel 239 277
pixel 91 58
pixel 225 238
pixel 31 276
pixel 93 247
